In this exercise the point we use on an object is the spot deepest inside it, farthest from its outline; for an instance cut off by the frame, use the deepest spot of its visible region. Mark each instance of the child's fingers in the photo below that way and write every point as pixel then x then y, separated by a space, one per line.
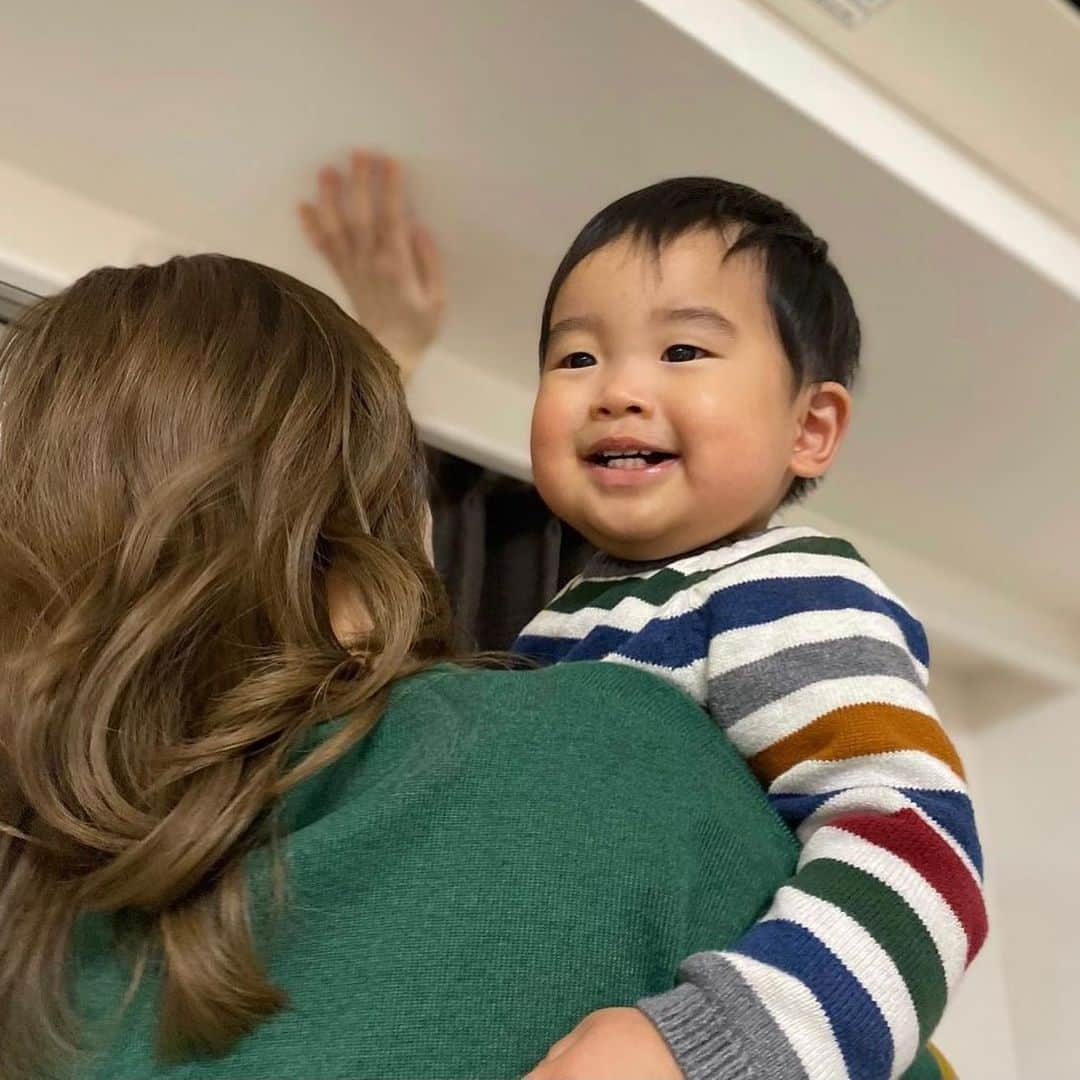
pixel 360 201
pixel 309 222
pixel 429 267
pixel 392 220
pixel 330 217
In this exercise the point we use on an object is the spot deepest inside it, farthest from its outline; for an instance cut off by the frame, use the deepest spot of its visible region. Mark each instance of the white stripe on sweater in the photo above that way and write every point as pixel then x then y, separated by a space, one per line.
pixel 718 558
pixel 798 1014
pixel 896 769
pixel 690 679
pixel 853 945
pixel 785 715
pixel 928 904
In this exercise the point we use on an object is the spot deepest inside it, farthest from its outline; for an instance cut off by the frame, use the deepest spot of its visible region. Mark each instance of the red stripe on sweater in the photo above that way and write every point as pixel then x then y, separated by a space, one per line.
pixel 907 836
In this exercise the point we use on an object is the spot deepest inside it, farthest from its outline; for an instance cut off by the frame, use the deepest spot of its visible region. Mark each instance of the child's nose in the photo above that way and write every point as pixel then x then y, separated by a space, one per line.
pixel 617 401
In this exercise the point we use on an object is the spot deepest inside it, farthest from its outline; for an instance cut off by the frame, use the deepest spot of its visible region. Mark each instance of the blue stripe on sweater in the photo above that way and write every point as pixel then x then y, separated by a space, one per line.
pixel 952 810
pixel 795 809
pixel 860 1029
pixel 544 650
pixel 676 642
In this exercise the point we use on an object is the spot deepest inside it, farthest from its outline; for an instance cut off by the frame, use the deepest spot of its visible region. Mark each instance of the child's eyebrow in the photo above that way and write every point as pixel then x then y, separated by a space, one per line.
pixel 574 322
pixel 696 314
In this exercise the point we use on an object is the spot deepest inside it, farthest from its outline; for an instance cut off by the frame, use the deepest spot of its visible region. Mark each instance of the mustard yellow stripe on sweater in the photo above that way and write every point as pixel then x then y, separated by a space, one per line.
pixel 854 731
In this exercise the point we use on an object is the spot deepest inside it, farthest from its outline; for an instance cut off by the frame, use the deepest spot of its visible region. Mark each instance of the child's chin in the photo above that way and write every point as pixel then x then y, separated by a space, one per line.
pixel 641 545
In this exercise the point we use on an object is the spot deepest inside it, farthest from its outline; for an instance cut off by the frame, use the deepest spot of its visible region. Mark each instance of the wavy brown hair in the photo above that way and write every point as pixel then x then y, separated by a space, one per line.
pixel 185 451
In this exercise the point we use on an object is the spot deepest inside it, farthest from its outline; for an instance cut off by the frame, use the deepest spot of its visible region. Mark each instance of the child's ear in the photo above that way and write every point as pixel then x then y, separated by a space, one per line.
pixel 824 412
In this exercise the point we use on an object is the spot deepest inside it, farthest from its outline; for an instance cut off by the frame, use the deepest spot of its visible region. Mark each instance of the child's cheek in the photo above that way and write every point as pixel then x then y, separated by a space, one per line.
pixel 548 444
pixel 551 432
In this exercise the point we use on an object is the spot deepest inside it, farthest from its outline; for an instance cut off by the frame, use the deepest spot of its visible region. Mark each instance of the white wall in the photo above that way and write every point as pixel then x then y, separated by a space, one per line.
pixel 1014 1015
pixel 1031 805
pixel 976 1034
pixel 49 235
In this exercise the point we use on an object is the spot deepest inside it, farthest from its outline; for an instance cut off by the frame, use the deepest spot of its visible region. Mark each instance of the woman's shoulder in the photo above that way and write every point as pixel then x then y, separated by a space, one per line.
pixel 593 735
pixel 583 689
pixel 583 730
pixel 599 705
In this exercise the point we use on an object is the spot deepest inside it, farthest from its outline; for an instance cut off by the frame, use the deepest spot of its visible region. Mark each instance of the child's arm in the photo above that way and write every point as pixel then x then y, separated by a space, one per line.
pixel 818 676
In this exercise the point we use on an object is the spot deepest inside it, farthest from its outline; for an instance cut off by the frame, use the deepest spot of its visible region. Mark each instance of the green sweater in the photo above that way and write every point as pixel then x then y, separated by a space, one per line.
pixel 505 853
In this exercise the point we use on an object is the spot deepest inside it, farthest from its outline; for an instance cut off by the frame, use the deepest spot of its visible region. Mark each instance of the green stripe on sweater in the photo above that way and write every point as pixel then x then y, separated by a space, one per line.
pixel 605 593
pixel 893 925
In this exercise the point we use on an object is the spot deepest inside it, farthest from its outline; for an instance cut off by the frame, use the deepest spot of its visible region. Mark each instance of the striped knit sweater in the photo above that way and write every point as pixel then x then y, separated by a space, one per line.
pixel 818 675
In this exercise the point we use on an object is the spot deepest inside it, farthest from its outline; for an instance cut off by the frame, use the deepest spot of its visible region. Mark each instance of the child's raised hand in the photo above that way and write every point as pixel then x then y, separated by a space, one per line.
pixel 387 263
pixel 610 1044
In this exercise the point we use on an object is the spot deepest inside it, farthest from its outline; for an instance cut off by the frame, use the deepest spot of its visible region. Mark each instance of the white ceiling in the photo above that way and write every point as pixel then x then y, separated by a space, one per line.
pixel 517 120
pixel 999 77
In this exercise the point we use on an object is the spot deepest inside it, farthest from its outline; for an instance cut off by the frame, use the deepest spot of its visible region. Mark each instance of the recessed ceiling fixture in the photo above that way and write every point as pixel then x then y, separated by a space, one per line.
pixel 853 12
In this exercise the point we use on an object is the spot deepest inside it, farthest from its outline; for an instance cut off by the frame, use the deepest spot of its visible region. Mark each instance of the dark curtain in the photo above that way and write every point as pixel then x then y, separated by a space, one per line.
pixel 498 548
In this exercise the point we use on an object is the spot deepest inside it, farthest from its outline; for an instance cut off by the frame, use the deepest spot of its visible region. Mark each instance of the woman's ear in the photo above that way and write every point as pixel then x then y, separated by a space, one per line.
pixel 348 617
pixel 824 413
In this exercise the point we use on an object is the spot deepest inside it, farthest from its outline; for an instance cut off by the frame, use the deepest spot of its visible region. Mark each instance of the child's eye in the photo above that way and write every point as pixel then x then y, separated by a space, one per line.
pixel 679 354
pixel 577 360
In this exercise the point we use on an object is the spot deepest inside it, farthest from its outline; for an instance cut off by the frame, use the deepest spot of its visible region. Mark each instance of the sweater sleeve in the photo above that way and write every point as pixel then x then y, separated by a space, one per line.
pixel 818 675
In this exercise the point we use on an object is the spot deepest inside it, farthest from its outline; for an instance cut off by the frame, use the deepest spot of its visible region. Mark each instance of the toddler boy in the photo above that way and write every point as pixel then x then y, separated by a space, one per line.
pixel 697 350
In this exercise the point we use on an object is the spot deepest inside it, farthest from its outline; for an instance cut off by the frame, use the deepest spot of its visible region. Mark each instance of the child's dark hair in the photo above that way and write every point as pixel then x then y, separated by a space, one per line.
pixel 809 300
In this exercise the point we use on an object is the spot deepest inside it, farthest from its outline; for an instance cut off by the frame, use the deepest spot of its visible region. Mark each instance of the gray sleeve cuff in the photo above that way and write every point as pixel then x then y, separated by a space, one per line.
pixel 702 1042
pixel 718 1028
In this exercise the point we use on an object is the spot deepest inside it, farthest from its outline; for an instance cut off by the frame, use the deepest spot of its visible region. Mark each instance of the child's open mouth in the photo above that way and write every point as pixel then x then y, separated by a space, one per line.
pixel 630 459
pixel 622 461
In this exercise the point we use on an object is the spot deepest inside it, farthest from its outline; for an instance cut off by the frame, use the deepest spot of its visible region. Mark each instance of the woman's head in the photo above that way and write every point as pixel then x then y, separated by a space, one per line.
pixel 186 451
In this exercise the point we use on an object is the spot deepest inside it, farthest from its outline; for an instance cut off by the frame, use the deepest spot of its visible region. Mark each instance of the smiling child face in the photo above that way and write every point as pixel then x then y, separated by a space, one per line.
pixel 667 415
